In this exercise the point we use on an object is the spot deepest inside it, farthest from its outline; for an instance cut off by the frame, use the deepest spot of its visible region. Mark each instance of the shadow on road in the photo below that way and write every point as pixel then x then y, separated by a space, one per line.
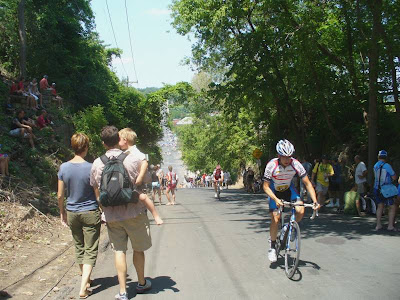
pixel 328 223
pixel 303 264
pixel 104 283
pixel 159 284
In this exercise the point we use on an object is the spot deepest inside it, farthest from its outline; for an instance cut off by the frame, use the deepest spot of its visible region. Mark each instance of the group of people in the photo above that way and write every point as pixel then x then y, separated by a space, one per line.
pixel 164 184
pixel 110 190
pixel 23 126
pixel 208 180
pixel 279 185
pixel 34 97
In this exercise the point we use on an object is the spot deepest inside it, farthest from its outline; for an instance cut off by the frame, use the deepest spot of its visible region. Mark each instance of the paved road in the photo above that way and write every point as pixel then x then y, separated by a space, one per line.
pixel 209 249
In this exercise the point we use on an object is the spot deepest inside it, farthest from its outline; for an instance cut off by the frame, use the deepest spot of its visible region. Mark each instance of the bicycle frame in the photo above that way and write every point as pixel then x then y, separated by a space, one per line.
pixel 289 224
pixel 292 219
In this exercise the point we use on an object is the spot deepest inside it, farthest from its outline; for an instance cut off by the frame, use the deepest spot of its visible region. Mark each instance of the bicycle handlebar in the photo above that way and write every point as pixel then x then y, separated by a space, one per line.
pixel 291 204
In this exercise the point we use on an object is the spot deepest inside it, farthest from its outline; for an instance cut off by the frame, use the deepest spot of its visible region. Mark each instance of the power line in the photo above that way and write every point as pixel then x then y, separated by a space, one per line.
pixel 115 39
pixel 130 42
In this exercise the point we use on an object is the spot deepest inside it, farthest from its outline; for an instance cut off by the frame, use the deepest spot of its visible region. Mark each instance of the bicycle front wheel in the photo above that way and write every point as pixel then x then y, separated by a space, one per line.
pixel 292 251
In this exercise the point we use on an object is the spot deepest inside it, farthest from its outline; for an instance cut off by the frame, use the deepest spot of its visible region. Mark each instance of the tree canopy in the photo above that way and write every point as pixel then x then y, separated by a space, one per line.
pixel 315 72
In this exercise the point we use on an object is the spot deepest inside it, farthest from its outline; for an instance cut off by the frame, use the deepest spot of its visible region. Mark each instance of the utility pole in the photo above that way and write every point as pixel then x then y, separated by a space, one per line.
pixel 22 36
pixel 128 82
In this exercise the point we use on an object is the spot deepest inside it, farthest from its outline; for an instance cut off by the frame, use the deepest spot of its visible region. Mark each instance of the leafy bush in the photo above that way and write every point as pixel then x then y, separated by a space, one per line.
pixel 90 121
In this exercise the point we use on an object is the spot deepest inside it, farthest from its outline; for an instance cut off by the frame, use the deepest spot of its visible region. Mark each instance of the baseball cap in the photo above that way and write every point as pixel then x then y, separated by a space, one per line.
pixel 382 153
pixel 45 76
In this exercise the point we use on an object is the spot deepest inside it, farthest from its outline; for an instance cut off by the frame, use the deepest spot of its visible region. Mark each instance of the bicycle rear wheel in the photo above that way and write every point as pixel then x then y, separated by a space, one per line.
pixel 292 250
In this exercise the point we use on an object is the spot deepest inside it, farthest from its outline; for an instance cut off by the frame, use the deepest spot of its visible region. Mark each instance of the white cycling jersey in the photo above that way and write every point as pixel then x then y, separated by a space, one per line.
pixel 280 176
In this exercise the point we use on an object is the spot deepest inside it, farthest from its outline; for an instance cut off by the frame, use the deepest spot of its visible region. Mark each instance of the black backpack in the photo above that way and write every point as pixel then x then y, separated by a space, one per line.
pixel 116 187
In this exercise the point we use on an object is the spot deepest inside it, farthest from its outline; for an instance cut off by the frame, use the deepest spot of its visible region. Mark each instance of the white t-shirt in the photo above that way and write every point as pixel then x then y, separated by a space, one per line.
pixel 359 171
pixel 280 176
pixel 136 152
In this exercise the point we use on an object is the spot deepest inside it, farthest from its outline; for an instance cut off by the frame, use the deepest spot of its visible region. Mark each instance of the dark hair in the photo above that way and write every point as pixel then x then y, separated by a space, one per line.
pixel 20 110
pixel 109 135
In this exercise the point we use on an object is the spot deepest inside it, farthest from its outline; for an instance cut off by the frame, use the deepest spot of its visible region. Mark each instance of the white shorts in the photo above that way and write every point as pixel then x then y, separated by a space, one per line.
pixel 17 132
pixel 321 188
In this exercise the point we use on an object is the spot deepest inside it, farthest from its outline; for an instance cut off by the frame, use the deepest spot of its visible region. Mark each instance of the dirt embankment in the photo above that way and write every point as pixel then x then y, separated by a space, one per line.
pixel 35 251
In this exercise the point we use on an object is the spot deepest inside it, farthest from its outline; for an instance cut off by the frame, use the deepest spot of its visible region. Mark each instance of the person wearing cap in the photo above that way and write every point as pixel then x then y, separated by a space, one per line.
pixel 44 84
pixel 322 172
pixel 384 174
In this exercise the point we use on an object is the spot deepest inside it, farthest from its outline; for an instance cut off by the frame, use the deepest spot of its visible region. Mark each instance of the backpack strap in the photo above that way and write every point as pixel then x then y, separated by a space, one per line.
pixel 380 173
pixel 104 159
pixel 122 156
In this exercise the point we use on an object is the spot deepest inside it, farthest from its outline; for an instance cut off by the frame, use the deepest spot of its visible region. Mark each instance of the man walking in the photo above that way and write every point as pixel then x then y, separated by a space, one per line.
pixel 124 221
pixel 360 178
pixel 321 173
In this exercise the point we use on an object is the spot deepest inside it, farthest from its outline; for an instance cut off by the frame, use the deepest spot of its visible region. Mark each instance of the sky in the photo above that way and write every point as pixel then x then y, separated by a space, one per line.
pixel 158 50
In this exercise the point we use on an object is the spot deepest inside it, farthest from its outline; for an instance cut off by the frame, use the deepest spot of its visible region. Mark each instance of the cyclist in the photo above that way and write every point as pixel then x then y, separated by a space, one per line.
pixel 218 178
pixel 278 185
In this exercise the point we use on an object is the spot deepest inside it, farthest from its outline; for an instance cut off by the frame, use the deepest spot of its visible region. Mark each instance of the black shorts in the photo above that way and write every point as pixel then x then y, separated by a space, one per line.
pixel 334 186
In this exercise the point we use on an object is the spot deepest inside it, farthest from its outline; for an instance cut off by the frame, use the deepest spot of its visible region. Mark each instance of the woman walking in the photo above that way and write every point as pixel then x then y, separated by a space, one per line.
pixel 82 212
pixel 172 181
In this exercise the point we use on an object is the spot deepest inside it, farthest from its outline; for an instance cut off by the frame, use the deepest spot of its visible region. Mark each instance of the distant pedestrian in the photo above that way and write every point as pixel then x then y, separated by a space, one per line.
pixel 227 179
pixel 384 175
pixel 172 181
pixel 156 184
pixel 335 184
pixel 320 177
pixel 82 213
pixel 360 179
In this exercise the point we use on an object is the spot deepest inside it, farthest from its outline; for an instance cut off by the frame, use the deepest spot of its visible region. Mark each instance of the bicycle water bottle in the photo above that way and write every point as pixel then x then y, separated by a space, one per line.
pixel 283 232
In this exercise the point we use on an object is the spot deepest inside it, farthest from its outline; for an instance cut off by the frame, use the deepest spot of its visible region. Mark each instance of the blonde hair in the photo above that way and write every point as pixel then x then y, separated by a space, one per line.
pixel 129 135
pixel 79 142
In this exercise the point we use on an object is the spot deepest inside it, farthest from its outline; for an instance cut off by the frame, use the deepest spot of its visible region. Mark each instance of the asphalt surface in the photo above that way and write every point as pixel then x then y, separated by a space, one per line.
pixel 210 249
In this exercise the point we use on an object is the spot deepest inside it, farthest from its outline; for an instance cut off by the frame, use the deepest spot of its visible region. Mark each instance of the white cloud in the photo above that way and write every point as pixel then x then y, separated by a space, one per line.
pixel 158 12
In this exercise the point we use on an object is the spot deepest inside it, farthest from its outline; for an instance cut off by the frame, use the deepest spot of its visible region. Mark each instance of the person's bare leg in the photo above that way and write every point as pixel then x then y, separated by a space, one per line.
pixel 392 213
pixel 273 229
pixel 167 194
pixel 159 195
pixel 358 205
pixel 120 265
pixel 299 213
pixel 86 272
pixel 321 198
pixel 7 161
pixel 379 212
pixel 138 262
pixel 3 166
pixel 31 141
pixel 173 196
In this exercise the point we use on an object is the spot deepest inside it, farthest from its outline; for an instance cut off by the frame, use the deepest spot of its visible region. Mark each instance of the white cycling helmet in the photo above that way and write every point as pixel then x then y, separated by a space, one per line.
pixel 285 148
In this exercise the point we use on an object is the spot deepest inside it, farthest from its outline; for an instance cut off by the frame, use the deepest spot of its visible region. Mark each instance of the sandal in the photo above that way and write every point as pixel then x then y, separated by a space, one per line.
pixel 87 294
pixel 394 229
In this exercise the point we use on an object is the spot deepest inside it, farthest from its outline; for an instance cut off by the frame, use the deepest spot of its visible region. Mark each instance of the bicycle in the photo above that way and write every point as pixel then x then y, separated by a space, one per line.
pixel 289 238
pixel 218 189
